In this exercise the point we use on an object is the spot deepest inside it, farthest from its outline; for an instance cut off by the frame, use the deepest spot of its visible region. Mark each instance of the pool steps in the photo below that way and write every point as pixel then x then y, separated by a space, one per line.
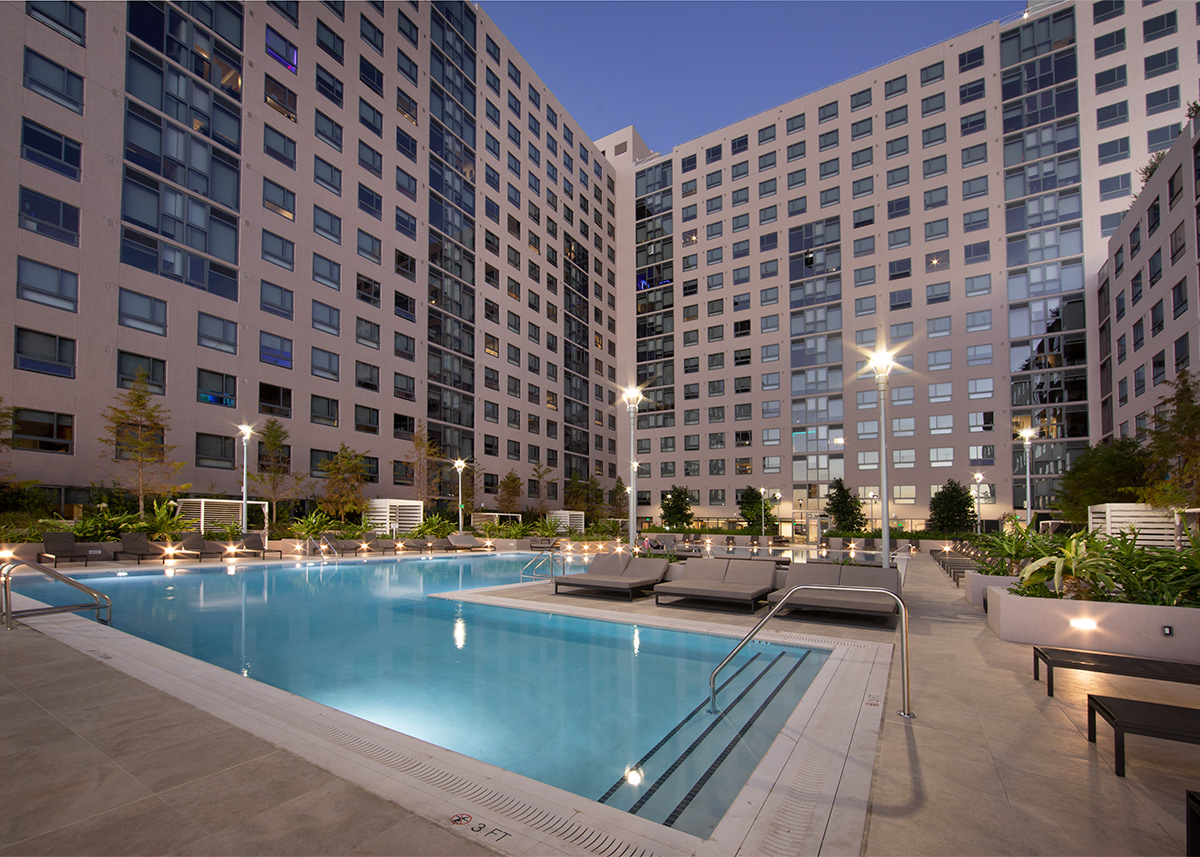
pixel 687 777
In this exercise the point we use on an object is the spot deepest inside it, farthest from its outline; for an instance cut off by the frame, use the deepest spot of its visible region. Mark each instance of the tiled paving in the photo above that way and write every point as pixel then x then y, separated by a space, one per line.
pixel 97 762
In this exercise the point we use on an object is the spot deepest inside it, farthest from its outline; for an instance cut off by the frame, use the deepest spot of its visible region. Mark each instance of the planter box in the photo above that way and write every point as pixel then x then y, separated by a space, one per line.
pixel 975 586
pixel 1122 629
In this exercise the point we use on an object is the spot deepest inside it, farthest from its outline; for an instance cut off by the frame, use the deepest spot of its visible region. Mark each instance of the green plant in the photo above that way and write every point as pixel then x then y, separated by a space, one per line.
pixel 1080 568
pixel 843 508
pixel 164 523
pixel 312 525
pixel 103 525
pixel 677 509
pixel 435 527
pixel 492 529
pixel 1003 552
pixel 952 508
pixel 544 527
pixel 517 529
pixel 228 532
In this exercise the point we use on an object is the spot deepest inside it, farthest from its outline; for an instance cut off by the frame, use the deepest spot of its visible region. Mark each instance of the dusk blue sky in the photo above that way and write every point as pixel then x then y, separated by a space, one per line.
pixel 677 70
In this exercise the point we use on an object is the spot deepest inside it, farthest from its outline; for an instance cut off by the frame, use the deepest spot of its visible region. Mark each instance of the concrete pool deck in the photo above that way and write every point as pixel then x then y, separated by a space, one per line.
pixel 98 762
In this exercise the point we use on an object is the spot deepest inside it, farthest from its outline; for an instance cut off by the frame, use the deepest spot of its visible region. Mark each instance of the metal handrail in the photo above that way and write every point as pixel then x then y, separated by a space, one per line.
pixel 903 712
pixel 100 601
pixel 548 554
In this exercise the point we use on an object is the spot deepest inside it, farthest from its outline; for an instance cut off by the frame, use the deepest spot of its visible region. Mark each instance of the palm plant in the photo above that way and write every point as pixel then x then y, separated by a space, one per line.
pixel 1081 568
pixel 312 525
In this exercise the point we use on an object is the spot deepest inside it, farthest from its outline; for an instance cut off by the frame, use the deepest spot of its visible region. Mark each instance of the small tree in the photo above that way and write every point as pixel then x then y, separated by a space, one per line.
pixel 952 509
pixel 676 509
pixel 540 474
pixel 756 507
pixel 618 501
pixel 508 495
pixel 1173 452
pixel 346 474
pixel 575 495
pixel 135 431
pixel 423 459
pixel 275 479
pixel 1105 473
pixel 844 509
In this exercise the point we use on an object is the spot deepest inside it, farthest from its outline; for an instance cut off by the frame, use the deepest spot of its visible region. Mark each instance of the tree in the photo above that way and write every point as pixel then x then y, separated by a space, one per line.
pixel 540 474
pixel 135 431
pixel 6 440
pixel 423 460
pixel 1105 473
pixel 676 509
pixel 508 495
pixel 618 501
pixel 1173 451
pixel 346 474
pixel 275 480
pixel 952 509
pixel 756 507
pixel 844 509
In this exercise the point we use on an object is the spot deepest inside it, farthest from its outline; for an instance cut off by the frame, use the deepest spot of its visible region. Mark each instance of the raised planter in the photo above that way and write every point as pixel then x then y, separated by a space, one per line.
pixel 1123 629
pixel 975 586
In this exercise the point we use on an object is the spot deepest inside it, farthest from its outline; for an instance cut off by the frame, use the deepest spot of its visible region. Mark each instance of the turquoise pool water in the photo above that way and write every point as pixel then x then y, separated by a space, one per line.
pixel 572 702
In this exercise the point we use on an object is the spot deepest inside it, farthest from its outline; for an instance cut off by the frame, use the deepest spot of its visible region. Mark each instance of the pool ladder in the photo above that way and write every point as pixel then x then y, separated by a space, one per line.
pixel 100 602
pixel 536 568
pixel 905 711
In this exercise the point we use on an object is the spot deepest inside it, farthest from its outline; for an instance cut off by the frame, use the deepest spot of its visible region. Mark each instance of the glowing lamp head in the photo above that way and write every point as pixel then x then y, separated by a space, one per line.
pixel 1027 434
pixel 632 396
pixel 978 478
pixel 881 363
pixel 246 431
pixel 460 465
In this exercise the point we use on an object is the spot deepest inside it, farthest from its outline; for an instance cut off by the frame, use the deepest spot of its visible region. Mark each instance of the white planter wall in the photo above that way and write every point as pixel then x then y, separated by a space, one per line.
pixel 975 585
pixel 1123 629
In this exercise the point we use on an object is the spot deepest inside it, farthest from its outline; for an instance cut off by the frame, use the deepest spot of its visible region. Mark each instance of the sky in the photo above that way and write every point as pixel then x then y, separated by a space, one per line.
pixel 678 70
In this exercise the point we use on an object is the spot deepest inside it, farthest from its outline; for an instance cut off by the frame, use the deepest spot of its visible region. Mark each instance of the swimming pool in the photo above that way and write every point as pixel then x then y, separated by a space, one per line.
pixel 577 703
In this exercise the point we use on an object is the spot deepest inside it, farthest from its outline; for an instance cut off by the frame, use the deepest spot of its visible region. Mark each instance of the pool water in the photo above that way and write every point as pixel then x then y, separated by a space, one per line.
pixel 575 703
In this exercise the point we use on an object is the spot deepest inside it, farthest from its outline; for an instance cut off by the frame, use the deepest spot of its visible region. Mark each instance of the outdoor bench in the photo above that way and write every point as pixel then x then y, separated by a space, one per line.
pixel 1102 662
pixel 1135 717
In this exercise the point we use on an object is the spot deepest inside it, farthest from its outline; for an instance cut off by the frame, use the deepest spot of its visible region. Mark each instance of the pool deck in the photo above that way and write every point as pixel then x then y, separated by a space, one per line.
pixel 96 761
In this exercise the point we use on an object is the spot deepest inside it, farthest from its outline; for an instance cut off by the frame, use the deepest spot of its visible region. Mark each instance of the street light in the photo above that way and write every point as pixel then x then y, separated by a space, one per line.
pixel 632 397
pixel 246 432
pixel 1027 434
pixel 460 466
pixel 762 497
pixel 881 364
pixel 978 486
pixel 872 496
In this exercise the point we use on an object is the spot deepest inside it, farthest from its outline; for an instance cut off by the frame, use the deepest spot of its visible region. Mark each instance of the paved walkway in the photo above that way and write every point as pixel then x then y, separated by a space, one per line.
pixel 96 762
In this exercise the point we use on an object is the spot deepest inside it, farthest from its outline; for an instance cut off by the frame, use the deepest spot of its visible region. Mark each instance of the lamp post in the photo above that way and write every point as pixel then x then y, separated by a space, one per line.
pixel 460 466
pixel 632 397
pixel 881 364
pixel 872 496
pixel 1027 434
pixel 762 497
pixel 978 486
pixel 246 432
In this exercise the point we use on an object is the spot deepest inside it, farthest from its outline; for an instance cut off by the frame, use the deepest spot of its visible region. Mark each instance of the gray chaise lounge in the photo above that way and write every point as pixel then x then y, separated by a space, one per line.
pixel 742 581
pixel 617 572
pixel 467 542
pixel 847 578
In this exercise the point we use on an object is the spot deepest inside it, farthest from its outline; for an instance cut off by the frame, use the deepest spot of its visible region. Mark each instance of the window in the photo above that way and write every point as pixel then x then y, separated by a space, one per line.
pixel 1157 27
pixel 278 250
pixel 1114 150
pixel 975 187
pixel 898 207
pixel 936 198
pixel 827 112
pixel 933 136
pixel 214 450
pixel 50 149
pixel 900 299
pixel 48 216
pixel 214 388
pixel 973 123
pixel 54 287
pixel 933 104
pixel 325 364
pixel 327 224
pixel 1163 63
pixel 1162 100
pixel 897 177
pixel 44 353
pixel 1114 187
pixel 366 376
pixel 53 81
pixel 326 318
pixel 934 166
pixel 1103 10
pixel 936 327
pixel 212 332
pixel 279 97
pixel 131 366
pixel 897 147
pixel 980 388
pixel 1110 43
pixel 973 155
pixel 933 73
pixel 1110 79
pixel 895 86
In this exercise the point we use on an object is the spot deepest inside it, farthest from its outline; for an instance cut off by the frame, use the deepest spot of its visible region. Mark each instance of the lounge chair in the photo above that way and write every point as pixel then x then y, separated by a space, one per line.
pixel 442 545
pixel 252 543
pixel 743 581
pixel 730 541
pixel 136 546
pixel 543 543
pixel 191 546
pixel 848 597
pixel 466 542
pixel 780 542
pixel 337 546
pixel 380 546
pixel 58 546
pixel 412 545
pixel 617 572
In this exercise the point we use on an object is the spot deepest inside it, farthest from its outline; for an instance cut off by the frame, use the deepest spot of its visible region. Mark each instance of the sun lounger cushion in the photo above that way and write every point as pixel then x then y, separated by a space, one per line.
pixel 464 542
pixel 846 576
pixel 738 580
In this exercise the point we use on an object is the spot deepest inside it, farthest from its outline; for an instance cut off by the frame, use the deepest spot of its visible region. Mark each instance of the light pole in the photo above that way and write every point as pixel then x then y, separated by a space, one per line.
pixel 762 497
pixel 460 466
pixel 632 397
pixel 978 486
pixel 881 364
pixel 246 432
pixel 872 496
pixel 1027 434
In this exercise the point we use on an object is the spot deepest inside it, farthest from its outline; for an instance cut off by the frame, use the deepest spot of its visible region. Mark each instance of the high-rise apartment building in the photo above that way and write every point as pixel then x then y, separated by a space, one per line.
pixel 205 194
pixel 948 208
pixel 360 219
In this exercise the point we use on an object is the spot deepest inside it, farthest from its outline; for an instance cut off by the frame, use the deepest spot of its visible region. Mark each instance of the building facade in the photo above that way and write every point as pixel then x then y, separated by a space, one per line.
pixel 273 208
pixel 226 172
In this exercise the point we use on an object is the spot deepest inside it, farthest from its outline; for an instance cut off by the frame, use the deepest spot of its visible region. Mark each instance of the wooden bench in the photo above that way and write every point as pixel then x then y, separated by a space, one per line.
pixel 1102 662
pixel 1132 716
